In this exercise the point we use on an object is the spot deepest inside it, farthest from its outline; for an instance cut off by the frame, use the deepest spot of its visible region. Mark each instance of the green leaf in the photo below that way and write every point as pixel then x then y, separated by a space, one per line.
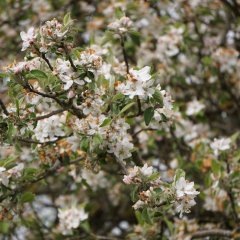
pixel 85 225
pixel 119 13
pixel 37 74
pixel 146 216
pixel 126 108
pixel 117 97
pixel 135 36
pixel 106 122
pixel 207 60
pixel 148 115
pixel 4 227
pixel 178 174
pixel 154 176
pixel 11 131
pixel 84 144
pixel 27 197
pixel 67 19
pixel 157 96
pixel 97 139
pixel 139 217
pixel 169 225
pixel 134 194
pixel 216 166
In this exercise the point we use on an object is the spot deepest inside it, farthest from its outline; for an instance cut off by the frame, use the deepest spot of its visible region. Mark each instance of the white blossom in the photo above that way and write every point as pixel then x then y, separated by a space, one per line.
pixel 71 218
pixel 139 83
pixel 3 176
pixel 185 194
pixel 221 144
pixel 121 25
pixel 146 171
pixel 49 129
pixel 194 107
pixel 28 38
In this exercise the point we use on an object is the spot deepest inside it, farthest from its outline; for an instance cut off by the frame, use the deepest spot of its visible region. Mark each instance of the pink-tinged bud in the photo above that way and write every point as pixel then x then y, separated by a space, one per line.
pixel 127 179
pixel 71 94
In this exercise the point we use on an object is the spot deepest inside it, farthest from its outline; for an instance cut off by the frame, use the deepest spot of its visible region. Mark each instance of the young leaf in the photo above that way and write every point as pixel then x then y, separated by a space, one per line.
pixel 106 122
pixel 27 197
pixel 67 19
pixel 157 96
pixel 84 144
pixel 178 174
pixel 148 115
pixel 126 108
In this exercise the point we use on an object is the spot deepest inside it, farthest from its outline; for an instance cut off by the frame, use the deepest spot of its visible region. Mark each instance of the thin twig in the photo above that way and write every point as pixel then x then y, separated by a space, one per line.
pixel 49 114
pixel 43 56
pixel 124 53
pixel 51 171
pixel 212 233
pixel 144 129
pixel 4 108
pixel 69 57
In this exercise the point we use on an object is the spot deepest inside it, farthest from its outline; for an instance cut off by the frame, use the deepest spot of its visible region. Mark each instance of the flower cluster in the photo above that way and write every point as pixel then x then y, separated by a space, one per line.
pixel 180 192
pixel 139 83
pixel 71 218
pixel 49 129
pixel 130 100
pixel 6 174
pixel 121 25
pixel 185 194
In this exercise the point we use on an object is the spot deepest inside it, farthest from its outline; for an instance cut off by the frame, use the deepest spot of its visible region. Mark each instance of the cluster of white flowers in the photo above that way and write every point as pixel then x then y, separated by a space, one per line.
pixel 145 199
pixel 221 144
pixel 166 109
pixel 118 140
pixel 215 198
pixel 51 31
pixel 115 136
pixel 49 129
pixel 185 194
pixel 35 63
pixel 95 180
pixel 168 45
pixel 28 38
pixel 14 172
pixel 190 132
pixel 66 73
pixel 182 192
pixel 121 25
pixel 92 103
pixel 226 59
pixel 139 83
pixel 71 218
pixel 90 60
pixel 135 172
pixel 194 107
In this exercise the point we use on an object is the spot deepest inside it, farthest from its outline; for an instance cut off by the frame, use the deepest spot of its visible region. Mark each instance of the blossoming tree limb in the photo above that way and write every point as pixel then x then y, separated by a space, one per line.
pixel 127 129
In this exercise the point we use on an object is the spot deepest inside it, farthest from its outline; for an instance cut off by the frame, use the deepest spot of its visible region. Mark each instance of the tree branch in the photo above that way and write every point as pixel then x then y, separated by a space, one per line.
pixel 51 171
pixel 124 53
pixel 213 233
pixel 50 114
pixel 4 107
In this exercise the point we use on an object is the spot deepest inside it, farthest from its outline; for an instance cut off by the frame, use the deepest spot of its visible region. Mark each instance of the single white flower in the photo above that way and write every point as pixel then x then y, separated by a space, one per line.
pixel 221 144
pixel 185 194
pixel 70 218
pixel 28 38
pixel 3 176
pixel 194 107
pixel 139 204
pixel 184 187
pixel 146 171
